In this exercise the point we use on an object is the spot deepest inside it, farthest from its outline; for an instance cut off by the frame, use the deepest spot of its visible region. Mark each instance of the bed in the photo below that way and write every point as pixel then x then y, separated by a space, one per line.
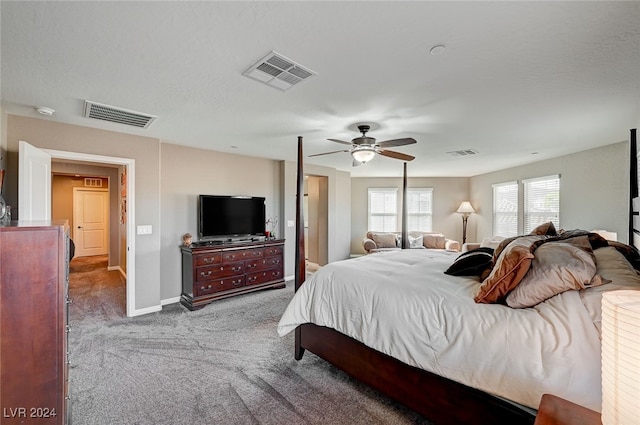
pixel 421 351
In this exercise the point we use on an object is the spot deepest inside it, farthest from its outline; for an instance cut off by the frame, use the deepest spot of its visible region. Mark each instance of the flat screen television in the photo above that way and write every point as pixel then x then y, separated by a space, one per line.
pixel 230 217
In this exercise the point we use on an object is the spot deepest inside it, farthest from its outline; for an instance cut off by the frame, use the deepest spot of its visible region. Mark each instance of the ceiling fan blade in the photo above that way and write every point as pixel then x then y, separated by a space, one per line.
pixel 397 142
pixel 340 141
pixel 327 153
pixel 396 155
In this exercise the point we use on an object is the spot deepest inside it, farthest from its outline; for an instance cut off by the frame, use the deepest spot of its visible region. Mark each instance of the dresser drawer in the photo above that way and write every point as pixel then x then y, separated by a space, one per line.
pixel 273 250
pixel 242 254
pixel 269 263
pixel 207 259
pixel 264 276
pixel 215 272
pixel 218 285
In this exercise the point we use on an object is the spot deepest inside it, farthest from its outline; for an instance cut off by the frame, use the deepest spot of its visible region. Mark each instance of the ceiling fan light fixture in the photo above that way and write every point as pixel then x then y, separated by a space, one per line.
pixel 364 154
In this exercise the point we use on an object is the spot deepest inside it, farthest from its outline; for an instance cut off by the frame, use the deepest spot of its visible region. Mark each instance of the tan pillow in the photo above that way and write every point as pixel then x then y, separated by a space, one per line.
pixel 556 268
pixel 545 229
pixel 612 266
pixel 384 240
pixel 510 268
pixel 434 240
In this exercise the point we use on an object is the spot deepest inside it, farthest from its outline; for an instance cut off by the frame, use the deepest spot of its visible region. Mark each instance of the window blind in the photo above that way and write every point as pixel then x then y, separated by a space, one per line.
pixel 505 209
pixel 383 209
pixel 419 209
pixel 541 202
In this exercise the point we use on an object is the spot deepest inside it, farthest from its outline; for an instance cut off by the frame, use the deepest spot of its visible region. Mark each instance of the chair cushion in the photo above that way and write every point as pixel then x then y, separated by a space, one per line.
pixel 384 240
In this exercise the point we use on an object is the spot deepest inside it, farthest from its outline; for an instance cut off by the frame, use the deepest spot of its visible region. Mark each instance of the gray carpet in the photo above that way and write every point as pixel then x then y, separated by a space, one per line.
pixel 223 364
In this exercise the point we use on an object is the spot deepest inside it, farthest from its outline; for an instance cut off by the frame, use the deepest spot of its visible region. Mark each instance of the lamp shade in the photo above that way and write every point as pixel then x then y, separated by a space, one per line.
pixel 465 208
pixel 364 154
pixel 620 357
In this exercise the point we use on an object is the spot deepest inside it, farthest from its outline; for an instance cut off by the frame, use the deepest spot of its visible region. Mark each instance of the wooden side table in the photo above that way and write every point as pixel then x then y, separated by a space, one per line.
pixel 554 410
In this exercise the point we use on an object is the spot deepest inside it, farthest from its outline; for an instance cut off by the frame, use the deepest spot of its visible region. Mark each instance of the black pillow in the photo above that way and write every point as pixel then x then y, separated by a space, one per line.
pixel 472 263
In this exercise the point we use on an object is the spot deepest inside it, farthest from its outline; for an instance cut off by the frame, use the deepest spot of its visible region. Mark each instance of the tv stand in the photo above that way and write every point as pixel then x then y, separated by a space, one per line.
pixel 216 269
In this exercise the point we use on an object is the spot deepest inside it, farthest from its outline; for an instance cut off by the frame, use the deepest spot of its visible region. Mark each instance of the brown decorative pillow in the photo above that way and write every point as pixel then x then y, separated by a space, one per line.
pixel 556 268
pixel 384 240
pixel 434 240
pixel 511 266
pixel 547 229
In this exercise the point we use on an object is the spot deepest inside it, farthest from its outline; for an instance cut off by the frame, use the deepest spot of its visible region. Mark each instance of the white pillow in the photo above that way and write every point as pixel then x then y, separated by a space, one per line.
pixel 415 241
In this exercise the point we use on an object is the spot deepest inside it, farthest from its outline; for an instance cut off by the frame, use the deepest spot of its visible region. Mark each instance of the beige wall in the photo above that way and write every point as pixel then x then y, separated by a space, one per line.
pixel 46 134
pixel 188 172
pixel 594 190
pixel 447 195
pixel 338 204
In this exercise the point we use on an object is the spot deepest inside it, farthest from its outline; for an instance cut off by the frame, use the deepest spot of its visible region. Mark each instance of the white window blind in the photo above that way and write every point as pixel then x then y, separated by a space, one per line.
pixel 419 209
pixel 541 202
pixel 383 210
pixel 505 209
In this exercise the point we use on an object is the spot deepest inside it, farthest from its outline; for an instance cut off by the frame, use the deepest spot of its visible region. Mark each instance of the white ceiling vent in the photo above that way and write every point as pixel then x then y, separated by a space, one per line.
pixel 277 71
pixel 464 152
pixel 103 112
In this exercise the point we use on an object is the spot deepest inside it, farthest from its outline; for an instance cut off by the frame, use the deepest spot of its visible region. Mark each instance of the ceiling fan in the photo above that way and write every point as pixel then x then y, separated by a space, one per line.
pixel 364 148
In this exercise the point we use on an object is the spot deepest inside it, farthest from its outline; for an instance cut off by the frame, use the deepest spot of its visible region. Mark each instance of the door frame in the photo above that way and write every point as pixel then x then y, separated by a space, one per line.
pixel 129 163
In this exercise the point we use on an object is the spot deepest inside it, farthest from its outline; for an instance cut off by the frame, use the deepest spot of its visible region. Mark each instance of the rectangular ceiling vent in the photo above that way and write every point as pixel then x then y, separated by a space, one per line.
pixel 103 112
pixel 463 152
pixel 279 72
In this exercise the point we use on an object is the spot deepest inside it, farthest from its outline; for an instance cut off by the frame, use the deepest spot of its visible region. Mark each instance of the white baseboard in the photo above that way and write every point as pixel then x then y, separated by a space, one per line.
pixel 147 310
pixel 118 268
pixel 288 278
pixel 170 301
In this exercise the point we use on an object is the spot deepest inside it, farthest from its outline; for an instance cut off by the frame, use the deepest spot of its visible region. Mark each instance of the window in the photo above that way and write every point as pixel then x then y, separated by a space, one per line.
pixel 505 209
pixel 383 210
pixel 541 202
pixel 419 209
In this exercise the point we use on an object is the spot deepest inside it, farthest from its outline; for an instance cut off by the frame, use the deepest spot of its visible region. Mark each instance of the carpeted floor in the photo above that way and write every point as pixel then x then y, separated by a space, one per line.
pixel 223 364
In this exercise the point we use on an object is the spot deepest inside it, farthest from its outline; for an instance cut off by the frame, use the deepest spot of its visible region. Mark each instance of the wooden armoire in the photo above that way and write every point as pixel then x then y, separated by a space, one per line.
pixel 34 281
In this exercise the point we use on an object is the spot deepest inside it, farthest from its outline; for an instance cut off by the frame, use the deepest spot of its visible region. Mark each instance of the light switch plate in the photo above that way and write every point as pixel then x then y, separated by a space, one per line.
pixel 145 229
pixel 291 223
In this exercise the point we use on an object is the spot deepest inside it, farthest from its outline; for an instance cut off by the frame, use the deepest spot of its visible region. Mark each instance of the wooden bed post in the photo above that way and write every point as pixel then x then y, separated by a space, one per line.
pixel 300 272
pixel 634 190
pixel 405 235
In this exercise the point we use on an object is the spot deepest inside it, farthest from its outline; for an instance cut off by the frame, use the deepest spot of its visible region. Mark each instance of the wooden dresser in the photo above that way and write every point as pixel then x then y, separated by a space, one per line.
pixel 34 281
pixel 211 271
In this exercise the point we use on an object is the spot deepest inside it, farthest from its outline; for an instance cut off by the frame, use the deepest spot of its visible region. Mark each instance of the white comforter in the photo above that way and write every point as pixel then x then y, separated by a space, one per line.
pixel 402 304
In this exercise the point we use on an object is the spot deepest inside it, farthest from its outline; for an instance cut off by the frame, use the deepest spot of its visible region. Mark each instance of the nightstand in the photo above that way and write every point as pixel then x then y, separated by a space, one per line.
pixel 554 410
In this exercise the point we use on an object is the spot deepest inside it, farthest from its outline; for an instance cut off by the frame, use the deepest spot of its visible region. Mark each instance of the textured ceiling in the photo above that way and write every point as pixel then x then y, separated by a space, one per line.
pixel 518 81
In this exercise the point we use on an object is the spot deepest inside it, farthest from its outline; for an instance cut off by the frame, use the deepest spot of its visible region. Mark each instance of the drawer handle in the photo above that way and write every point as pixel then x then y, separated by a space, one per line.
pixel 236 282
pixel 252 278
pixel 208 260
pixel 236 269
pixel 202 288
pixel 207 274
pixel 251 266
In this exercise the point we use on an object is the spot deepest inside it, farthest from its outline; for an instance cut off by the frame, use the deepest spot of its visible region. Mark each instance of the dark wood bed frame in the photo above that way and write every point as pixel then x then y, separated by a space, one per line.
pixel 438 399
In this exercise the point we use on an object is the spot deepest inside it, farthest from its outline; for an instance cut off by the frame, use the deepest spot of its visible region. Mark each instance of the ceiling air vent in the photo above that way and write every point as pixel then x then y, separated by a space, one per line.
pixel 463 152
pixel 277 71
pixel 103 112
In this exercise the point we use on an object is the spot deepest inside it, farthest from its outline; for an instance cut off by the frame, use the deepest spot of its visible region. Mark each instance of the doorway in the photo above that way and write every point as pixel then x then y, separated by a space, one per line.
pixel 125 189
pixel 316 199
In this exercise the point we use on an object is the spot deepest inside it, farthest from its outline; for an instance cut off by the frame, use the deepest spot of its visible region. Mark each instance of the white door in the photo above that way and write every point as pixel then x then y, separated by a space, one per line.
pixel 90 221
pixel 34 183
